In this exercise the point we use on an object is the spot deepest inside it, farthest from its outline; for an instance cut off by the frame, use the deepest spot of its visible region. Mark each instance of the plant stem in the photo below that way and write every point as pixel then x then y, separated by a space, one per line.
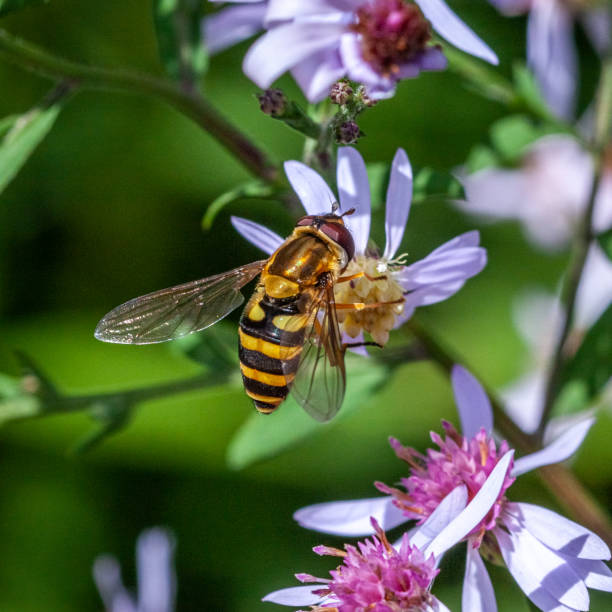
pixel 188 102
pixel 560 481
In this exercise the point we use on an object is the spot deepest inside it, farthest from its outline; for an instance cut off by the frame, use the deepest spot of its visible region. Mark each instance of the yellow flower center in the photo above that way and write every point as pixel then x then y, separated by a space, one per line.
pixel 379 321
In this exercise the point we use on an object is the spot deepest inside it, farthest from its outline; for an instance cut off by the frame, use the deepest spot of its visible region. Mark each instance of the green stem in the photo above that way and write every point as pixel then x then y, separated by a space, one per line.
pixel 560 481
pixel 189 103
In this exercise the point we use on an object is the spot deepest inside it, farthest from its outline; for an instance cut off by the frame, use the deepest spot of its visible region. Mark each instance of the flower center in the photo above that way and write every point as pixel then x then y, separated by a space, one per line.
pixel 433 476
pixel 392 33
pixel 376 321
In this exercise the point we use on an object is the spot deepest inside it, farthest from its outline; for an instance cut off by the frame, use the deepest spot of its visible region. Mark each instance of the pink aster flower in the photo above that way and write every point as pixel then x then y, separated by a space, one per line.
pixel 547 194
pixel 436 277
pixel 378 576
pixel 233 24
pixel 551 51
pixel 374 42
pixel 156 580
pixel 553 560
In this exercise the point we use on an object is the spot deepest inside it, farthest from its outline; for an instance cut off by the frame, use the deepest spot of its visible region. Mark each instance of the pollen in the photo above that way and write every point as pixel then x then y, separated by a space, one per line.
pixel 380 287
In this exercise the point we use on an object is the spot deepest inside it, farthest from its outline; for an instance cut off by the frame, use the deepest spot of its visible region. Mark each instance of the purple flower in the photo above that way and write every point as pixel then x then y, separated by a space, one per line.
pixel 433 279
pixel 553 560
pixel 551 51
pixel 547 194
pixel 374 42
pixel 233 24
pixel 384 578
pixel 156 580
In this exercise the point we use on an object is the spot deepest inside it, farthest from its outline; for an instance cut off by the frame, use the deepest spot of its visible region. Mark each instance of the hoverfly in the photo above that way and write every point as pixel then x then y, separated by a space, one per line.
pixel 289 339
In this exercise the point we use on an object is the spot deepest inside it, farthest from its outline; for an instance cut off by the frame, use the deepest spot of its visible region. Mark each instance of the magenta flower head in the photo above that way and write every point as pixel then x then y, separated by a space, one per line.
pixel 387 278
pixel 374 42
pixel 156 580
pixel 553 560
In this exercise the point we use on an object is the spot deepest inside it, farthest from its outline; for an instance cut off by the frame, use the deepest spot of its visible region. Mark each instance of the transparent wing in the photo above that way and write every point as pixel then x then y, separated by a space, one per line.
pixel 320 380
pixel 177 311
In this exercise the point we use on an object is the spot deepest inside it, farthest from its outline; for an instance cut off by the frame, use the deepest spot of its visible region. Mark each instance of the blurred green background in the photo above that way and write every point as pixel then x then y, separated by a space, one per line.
pixel 109 207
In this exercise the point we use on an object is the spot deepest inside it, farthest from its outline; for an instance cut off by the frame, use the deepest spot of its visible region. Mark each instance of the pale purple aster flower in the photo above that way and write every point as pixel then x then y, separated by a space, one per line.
pixel 553 560
pixel 551 50
pixel 374 42
pixel 156 580
pixel 378 576
pixel 233 24
pixel 433 279
pixel 537 316
pixel 547 194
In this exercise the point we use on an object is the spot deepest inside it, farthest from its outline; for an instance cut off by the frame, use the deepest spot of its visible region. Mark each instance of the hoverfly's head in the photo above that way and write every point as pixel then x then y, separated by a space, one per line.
pixel 333 227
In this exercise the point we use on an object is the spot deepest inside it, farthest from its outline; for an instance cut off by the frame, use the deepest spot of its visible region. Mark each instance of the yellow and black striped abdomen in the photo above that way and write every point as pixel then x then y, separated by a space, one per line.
pixel 271 338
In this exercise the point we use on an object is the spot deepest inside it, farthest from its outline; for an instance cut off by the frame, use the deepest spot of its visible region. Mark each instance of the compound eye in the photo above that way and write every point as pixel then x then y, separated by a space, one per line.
pixel 307 220
pixel 341 235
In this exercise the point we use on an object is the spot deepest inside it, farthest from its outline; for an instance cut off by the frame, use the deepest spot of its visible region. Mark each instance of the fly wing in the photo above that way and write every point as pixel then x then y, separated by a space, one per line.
pixel 177 311
pixel 320 380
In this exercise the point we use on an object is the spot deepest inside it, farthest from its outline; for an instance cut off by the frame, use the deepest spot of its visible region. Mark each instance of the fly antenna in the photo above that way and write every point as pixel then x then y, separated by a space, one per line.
pixel 350 211
pixel 335 206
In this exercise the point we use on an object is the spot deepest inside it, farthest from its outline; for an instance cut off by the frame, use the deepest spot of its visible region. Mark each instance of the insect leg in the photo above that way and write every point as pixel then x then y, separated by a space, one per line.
pixel 344 279
pixel 363 305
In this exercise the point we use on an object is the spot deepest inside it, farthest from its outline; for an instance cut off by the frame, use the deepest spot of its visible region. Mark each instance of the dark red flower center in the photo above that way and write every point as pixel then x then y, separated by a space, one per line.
pixel 392 33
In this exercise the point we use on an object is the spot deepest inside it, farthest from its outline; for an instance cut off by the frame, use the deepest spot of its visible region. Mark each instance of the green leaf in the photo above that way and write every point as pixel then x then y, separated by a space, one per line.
pixel 255 190
pixel 585 375
pixel 8 6
pixel 15 401
pixel 605 242
pixel 512 135
pixel 481 157
pixel 264 436
pixel 430 183
pixel 529 92
pixel 179 38
pixel 22 138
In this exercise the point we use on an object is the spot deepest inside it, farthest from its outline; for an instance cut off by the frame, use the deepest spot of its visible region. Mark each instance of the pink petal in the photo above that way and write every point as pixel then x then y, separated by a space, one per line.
pixel 474 512
pixel 472 403
pixel 449 26
pixel 559 533
pixel 399 198
pixel 537 569
pixel 447 510
pixel 263 238
pixel 354 191
pixel 283 47
pixel 478 594
pixel 315 195
pixel 232 25
pixel 559 450
pixel 351 518
pixel 295 596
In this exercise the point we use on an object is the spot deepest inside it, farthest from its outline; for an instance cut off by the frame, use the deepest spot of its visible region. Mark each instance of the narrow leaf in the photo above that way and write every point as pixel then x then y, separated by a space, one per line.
pixel 605 242
pixel 429 183
pixel 179 38
pixel 8 6
pixel 263 436
pixel 20 140
pixel 512 135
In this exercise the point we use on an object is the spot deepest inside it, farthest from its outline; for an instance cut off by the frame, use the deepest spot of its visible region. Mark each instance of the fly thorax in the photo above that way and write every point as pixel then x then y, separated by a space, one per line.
pixel 383 287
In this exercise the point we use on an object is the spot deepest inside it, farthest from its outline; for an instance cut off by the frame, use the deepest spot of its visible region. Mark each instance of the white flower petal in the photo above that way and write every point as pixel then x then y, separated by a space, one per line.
pixel 284 46
pixel 436 605
pixel 156 581
pixel 354 192
pixel 296 596
pixel 351 518
pixel 596 574
pixel 472 403
pixel 446 511
pixel 107 576
pixel 478 594
pixel 537 569
pixel 524 400
pixel 315 195
pixel 467 239
pixel 595 290
pixel 559 450
pixel 474 512
pixel 232 25
pixel 399 198
pixel 448 25
pixel 280 10
pixel 358 339
pixel 552 55
pixel 263 238
pixel 358 69
pixel 559 533
pixel 316 74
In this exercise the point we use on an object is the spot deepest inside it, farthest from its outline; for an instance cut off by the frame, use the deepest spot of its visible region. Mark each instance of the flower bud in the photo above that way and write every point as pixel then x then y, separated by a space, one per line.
pixel 341 92
pixel 273 102
pixel 362 95
pixel 347 133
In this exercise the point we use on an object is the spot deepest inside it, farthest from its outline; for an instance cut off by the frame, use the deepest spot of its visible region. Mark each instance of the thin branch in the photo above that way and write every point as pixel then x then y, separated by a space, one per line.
pixel 190 103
